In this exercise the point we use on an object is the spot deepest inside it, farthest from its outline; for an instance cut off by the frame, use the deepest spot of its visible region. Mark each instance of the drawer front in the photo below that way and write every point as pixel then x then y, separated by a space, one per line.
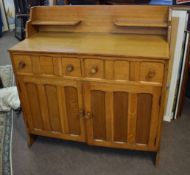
pixel 94 68
pixel 71 67
pixel 22 64
pixel 151 72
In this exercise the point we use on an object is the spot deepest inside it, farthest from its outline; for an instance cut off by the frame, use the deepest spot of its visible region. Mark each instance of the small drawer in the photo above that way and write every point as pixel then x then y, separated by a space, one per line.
pixel 151 72
pixel 71 67
pixel 94 68
pixel 22 63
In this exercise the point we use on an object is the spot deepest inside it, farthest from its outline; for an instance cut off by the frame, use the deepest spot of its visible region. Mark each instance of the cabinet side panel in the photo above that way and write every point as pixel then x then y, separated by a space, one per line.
pixel 144 108
pixel 98 114
pixel 54 115
pixel 120 116
pixel 33 98
pixel 72 108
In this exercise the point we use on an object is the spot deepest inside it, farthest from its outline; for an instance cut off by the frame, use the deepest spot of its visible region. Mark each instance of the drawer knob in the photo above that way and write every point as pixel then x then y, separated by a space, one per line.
pixel 150 74
pixel 69 68
pixel 22 65
pixel 94 70
pixel 88 115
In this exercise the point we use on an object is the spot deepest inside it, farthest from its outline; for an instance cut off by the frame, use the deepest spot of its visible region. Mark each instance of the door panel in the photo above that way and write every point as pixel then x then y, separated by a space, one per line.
pixel 72 109
pixel 144 104
pixel 54 106
pixel 98 114
pixel 33 100
pixel 122 115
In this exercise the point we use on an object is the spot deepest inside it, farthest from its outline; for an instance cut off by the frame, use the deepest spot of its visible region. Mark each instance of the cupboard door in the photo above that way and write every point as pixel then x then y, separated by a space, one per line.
pixel 53 107
pixel 124 116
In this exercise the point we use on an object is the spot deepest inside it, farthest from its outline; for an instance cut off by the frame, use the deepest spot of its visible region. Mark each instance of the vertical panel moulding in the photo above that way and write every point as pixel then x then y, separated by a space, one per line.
pixel 44 107
pixel 80 103
pixel 154 118
pixel 132 117
pixel 54 114
pixel 120 116
pixel 57 66
pixel 61 109
pixel 25 102
pixel 33 97
pixel 109 116
pixel 109 69
pixel 144 112
pixel 134 71
pixel 89 123
pixel 65 119
pixel 82 62
pixel 46 65
pixel 35 64
pixel 98 109
pixel 71 97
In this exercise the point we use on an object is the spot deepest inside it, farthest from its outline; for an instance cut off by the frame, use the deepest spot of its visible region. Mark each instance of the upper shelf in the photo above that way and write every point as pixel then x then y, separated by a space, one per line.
pixel 140 23
pixel 60 23
pixel 100 19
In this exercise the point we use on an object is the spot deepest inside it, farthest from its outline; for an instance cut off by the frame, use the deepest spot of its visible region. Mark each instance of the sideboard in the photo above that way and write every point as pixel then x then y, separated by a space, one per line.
pixel 95 74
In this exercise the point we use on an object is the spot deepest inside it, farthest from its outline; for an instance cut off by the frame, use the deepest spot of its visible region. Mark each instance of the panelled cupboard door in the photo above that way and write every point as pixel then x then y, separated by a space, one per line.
pixel 123 116
pixel 53 107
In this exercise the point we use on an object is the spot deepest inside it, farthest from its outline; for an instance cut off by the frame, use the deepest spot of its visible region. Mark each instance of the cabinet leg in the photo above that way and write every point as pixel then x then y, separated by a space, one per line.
pixel 31 139
pixel 157 158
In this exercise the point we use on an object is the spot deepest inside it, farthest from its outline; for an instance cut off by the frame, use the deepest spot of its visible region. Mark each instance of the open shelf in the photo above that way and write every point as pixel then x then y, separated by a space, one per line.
pixel 139 23
pixel 60 23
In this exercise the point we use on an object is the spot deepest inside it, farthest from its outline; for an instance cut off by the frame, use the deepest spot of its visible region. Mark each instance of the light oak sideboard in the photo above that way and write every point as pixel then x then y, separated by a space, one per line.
pixel 95 74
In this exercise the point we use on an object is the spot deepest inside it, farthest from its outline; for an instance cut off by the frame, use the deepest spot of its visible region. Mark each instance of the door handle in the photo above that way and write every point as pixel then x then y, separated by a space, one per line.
pixel 88 115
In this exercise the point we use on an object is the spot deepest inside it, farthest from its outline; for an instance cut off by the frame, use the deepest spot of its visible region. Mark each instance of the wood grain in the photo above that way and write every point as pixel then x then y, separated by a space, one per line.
pixel 53 108
pixel 98 114
pixel 120 116
pixel 144 104
pixel 72 108
pixel 33 97
pixel 149 46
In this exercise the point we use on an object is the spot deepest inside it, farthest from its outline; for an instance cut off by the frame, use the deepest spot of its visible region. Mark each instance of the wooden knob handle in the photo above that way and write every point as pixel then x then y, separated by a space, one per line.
pixel 69 68
pixel 94 70
pixel 88 115
pixel 22 65
pixel 151 74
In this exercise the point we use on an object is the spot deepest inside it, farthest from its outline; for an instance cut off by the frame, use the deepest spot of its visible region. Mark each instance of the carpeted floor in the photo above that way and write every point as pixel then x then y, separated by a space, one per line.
pixel 57 157
pixel 8 40
pixel 6 128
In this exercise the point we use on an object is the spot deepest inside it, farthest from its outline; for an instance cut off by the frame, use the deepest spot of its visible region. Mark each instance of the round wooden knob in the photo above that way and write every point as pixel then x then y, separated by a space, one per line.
pixel 69 68
pixel 88 115
pixel 151 74
pixel 94 70
pixel 22 65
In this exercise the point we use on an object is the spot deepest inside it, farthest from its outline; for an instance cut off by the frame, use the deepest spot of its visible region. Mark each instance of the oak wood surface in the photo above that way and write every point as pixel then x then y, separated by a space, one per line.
pixel 140 46
pixel 100 18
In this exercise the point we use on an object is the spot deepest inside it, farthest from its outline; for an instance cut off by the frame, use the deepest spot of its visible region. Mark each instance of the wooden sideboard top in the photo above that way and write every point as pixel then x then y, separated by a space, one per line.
pixel 126 45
